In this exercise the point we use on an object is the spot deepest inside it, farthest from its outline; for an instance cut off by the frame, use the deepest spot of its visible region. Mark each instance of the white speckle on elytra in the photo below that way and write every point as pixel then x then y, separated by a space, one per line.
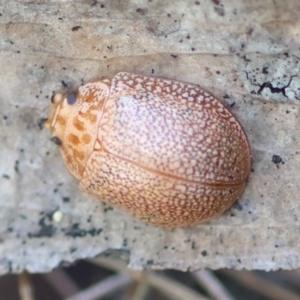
pixel 139 86
pixel 200 137
pixel 158 90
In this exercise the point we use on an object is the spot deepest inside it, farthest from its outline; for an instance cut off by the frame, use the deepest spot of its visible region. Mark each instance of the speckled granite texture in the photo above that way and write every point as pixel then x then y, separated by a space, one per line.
pixel 245 52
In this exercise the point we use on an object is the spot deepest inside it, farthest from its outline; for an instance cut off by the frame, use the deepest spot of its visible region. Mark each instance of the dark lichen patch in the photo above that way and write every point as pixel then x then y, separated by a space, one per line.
pixel 16 166
pixel 106 209
pixel 273 90
pixel 46 227
pixel 204 253
pixel 94 231
pixel 75 28
pixel 40 122
pixel 237 206
pixel 73 249
pixel 46 230
pixel 76 231
pixel 276 159
pixel 5 176
pixel 142 11
pixel 249 30
pixel 150 262
pixel 265 70
pixel 220 11
pixel 267 79
pixel 65 199
pixel 193 245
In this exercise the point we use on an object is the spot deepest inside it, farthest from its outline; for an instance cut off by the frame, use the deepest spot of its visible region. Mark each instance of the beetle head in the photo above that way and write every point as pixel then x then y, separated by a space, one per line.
pixel 73 121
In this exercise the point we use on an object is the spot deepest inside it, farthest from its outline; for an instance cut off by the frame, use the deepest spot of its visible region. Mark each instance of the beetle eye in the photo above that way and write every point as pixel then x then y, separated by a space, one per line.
pixel 56 140
pixel 71 98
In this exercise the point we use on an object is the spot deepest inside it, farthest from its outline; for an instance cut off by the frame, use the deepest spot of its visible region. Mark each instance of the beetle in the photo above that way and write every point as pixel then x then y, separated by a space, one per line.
pixel 166 151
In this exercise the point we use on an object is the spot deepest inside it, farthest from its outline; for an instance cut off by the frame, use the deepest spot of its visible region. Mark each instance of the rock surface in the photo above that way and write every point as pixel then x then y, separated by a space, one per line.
pixel 245 53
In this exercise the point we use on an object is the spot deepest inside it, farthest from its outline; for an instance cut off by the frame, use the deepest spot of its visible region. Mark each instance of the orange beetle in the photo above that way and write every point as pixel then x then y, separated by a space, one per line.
pixel 166 151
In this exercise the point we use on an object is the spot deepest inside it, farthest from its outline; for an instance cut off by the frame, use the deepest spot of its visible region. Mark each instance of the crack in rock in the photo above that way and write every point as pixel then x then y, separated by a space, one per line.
pixel 274 90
